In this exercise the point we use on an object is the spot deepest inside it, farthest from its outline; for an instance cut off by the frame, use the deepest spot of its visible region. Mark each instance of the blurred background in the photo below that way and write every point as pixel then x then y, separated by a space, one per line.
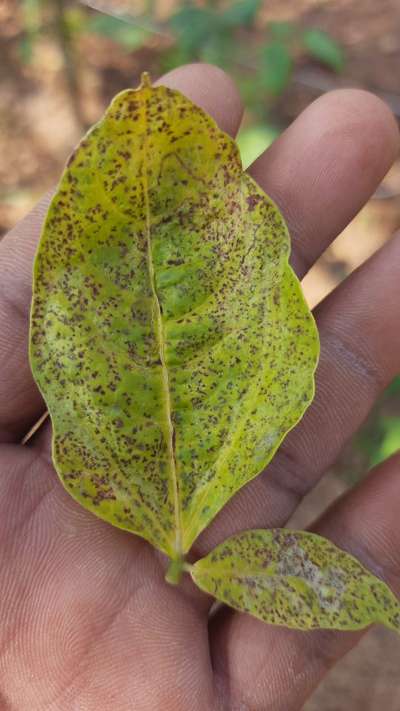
pixel 61 61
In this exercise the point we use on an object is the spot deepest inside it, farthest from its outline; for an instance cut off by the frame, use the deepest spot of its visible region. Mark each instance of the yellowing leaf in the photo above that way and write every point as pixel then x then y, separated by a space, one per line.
pixel 296 579
pixel 169 336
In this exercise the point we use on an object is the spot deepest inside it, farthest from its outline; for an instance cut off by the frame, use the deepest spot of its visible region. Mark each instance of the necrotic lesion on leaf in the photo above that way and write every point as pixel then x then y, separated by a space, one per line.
pixel 169 336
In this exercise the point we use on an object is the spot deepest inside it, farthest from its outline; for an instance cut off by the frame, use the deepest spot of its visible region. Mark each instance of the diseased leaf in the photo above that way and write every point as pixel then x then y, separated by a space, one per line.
pixel 169 336
pixel 297 579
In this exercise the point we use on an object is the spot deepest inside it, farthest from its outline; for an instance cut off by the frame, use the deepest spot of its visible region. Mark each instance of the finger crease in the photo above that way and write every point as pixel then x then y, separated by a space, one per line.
pixel 85 662
pixel 354 358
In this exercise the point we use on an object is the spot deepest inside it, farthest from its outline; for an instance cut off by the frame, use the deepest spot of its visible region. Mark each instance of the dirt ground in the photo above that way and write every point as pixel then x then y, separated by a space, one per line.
pixel 39 125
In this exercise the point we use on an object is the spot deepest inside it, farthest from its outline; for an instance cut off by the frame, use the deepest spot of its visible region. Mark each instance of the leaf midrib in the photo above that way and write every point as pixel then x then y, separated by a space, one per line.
pixel 161 350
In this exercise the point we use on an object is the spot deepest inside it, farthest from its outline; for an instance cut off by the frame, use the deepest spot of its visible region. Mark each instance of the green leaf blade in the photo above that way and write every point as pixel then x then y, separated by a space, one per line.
pixel 241 13
pixel 194 26
pixel 324 48
pixel 131 37
pixel 276 67
pixel 169 336
pixel 296 579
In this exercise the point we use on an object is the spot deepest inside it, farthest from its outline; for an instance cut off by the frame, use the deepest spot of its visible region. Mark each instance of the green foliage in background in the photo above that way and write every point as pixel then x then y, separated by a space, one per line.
pixel 322 47
pixel 260 55
pixel 130 37
pixel 380 436
pixel 234 35
pixel 254 139
pixel 31 18
pixel 377 439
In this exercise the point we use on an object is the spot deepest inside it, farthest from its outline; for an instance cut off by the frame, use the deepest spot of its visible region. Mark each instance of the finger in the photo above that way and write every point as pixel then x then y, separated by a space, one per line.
pixel 267 667
pixel 212 89
pixel 84 607
pixel 326 165
pixel 20 402
pixel 360 355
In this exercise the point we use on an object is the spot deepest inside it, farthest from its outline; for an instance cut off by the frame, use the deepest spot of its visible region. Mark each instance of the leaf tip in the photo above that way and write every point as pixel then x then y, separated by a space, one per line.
pixel 145 81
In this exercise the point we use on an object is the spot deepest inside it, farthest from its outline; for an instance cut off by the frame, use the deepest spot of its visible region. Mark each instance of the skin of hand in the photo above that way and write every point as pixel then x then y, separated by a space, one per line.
pixel 87 620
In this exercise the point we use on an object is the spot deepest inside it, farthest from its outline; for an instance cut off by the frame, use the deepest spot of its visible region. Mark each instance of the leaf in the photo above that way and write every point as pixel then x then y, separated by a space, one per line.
pixel 282 31
pixel 254 140
pixel 26 48
pixel 321 46
pixel 297 579
pixel 169 336
pixel 194 26
pixel 388 431
pixel 31 24
pixel 242 13
pixel 129 36
pixel 394 387
pixel 276 68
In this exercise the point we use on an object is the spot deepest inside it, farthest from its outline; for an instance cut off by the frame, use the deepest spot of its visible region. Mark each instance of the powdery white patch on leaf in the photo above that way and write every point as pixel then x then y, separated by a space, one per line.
pixel 169 336
pixel 297 579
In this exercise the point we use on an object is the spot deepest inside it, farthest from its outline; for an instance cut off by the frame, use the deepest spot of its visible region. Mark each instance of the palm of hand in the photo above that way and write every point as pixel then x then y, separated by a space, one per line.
pixel 88 622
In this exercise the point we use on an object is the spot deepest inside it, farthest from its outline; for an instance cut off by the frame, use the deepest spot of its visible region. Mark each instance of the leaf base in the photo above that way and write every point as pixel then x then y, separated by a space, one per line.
pixel 174 571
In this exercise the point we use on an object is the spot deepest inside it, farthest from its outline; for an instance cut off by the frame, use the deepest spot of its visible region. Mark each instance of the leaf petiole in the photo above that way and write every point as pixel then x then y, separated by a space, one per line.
pixel 175 570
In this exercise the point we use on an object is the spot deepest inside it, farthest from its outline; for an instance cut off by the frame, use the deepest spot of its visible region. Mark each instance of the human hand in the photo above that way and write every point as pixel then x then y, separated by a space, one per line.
pixel 87 620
